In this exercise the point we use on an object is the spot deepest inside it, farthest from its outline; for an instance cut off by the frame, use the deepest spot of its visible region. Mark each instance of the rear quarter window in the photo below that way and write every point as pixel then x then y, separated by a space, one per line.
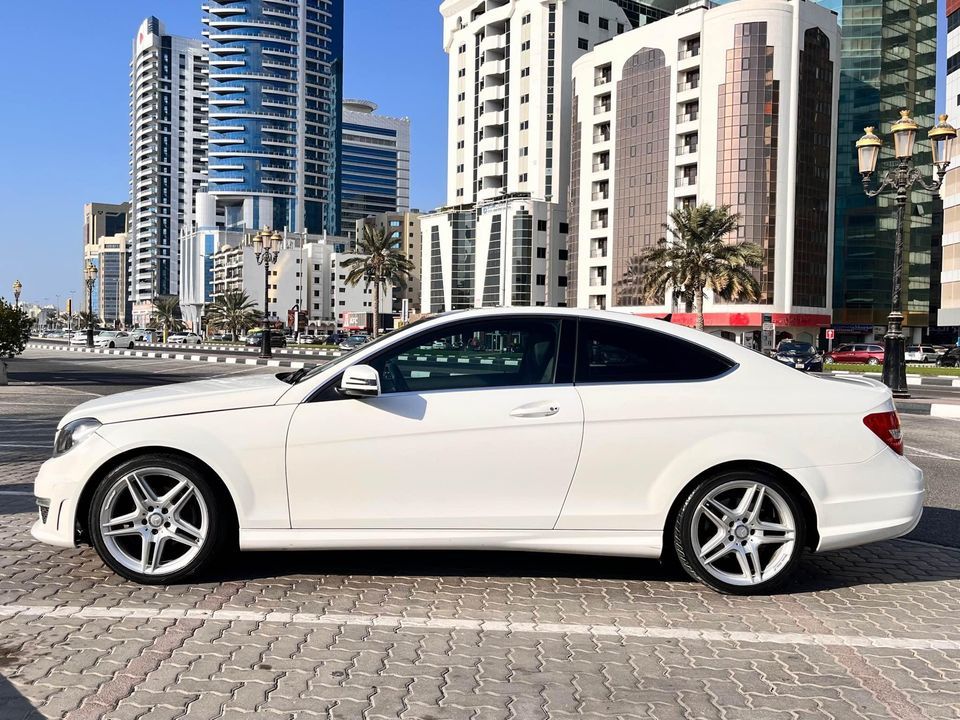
pixel 610 352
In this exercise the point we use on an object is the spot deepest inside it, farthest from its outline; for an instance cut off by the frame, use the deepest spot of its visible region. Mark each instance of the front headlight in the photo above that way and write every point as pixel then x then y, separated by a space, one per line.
pixel 74 433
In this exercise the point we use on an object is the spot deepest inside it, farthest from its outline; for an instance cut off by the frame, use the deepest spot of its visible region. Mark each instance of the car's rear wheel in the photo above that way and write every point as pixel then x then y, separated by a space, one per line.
pixel 112 345
pixel 157 519
pixel 741 533
pixel 873 361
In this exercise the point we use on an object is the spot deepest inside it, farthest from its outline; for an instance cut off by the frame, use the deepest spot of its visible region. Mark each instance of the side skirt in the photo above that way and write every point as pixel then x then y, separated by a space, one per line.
pixel 626 543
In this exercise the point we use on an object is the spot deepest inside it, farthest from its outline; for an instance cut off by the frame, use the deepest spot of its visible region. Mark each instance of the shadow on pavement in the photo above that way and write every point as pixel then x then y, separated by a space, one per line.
pixel 90 377
pixel 13 705
pixel 891 562
pixel 940 526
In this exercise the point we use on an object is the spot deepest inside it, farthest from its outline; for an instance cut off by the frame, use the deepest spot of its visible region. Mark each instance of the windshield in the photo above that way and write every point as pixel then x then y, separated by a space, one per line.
pixel 793 346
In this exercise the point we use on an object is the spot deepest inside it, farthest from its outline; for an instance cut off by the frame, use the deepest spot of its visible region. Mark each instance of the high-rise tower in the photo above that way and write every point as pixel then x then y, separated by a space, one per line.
pixel 275 109
pixel 167 157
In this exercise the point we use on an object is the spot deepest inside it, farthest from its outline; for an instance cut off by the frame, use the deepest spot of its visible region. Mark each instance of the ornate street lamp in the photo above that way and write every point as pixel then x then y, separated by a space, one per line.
pixel 90 277
pixel 17 287
pixel 266 248
pixel 901 179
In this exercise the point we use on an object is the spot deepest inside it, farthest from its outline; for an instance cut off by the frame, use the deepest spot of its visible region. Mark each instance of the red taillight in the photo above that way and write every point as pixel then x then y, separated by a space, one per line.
pixel 886 426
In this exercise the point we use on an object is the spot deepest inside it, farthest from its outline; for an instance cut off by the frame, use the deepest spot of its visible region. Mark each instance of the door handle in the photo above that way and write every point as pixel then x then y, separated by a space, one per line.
pixel 535 410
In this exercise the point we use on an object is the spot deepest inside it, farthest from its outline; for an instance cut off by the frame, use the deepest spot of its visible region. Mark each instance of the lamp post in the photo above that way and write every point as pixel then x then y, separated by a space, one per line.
pixel 266 248
pixel 90 277
pixel 17 287
pixel 901 179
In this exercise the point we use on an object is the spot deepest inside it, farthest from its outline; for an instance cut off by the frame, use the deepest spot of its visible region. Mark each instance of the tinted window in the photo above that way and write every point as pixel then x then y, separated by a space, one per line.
pixel 614 352
pixel 792 346
pixel 874 348
pixel 495 353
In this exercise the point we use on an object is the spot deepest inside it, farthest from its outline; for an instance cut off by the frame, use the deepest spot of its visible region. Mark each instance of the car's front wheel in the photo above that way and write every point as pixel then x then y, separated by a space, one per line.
pixel 157 519
pixel 740 533
pixel 873 361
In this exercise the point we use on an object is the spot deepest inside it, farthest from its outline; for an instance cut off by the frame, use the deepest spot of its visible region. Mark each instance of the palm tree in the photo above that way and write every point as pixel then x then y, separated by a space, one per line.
pixel 379 262
pixel 699 257
pixel 235 311
pixel 83 319
pixel 166 314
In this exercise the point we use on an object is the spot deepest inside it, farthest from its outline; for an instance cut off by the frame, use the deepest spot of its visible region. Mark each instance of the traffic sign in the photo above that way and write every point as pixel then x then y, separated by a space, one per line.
pixel 830 333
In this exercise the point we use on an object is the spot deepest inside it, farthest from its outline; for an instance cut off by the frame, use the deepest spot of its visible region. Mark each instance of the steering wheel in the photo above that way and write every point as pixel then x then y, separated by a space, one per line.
pixel 392 373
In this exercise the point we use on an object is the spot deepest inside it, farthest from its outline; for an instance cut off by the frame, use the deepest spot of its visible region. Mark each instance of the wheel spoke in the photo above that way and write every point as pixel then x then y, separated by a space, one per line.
pixel 716 506
pixel 775 539
pixel 139 491
pixel 714 518
pixel 113 523
pixel 717 552
pixel 753 512
pixel 707 551
pixel 177 534
pixel 772 527
pixel 177 505
pixel 146 548
pixel 744 563
pixel 121 532
pixel 756 572
pixel 170 496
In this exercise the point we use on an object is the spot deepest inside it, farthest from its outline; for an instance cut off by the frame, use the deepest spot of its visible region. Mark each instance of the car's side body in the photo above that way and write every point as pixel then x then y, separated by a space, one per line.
pixel 951 358
pixel 569 467
pixel 857 353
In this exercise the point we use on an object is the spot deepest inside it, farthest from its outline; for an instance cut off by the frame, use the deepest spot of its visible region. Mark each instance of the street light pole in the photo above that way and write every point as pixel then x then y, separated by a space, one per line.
pixel 266 249
pixel 901 180
pixel 90 277
pixel 17 287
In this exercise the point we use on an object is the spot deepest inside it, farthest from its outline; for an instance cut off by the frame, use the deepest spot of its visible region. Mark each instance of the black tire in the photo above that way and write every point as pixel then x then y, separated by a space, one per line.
pixel 112 345
pixel 683 533
pixel 873 361
pixel 221 536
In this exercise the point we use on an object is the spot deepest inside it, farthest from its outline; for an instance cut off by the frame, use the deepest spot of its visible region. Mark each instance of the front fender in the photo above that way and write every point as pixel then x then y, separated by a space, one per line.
pixel 245 448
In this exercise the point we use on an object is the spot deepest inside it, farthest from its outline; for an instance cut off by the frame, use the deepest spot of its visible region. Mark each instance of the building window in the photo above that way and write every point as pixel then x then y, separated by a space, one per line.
pixel 542 225
pixel 584 18
pixel 583 44
pixel 461 121
pixel 604 24
pixel 523 177
pixel 462 72
pixel 462 49
pixel 525 20
pixel 524 124
pixel 541 280
pixel 524 151
pixel 542 253
pixel 562 281
pixel 525 98
pixel 525 72
pixel 525 45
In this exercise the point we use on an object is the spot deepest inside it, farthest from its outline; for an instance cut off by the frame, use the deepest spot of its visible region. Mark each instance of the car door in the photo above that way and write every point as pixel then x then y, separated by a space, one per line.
pixel 647 396
pixel 478 426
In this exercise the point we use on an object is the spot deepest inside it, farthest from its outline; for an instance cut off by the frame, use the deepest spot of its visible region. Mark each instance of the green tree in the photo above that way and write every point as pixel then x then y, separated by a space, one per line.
pixel 235 311
pixel 82 320
pixel 379 262
pixel 166 314
pixel 15 327
pixel 698 257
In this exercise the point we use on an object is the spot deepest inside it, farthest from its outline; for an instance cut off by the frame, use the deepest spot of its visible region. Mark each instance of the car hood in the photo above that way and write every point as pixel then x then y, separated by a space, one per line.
pixel 183 399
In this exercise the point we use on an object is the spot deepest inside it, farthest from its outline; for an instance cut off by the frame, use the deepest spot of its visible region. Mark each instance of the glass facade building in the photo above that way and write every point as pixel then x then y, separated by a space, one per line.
pixel 888 62
pixel 375 164
pixel 275 112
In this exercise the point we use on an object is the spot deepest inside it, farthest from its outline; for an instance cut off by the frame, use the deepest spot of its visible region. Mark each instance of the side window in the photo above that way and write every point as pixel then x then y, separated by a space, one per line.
pixel 614 352
pixel 482 354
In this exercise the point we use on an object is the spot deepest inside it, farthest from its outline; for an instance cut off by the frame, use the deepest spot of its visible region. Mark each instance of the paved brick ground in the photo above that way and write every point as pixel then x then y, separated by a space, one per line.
pixel 868 633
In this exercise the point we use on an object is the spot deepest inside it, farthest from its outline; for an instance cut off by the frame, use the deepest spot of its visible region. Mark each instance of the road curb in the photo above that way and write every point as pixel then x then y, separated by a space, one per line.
pixel 194 357
pixel 224 348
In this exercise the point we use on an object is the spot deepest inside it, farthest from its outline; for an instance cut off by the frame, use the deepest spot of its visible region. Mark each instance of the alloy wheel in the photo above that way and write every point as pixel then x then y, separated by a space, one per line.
pixel 154 521
pixel 743 533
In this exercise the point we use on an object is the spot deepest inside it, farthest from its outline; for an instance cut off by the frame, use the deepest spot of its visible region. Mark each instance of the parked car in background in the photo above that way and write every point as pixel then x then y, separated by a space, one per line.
pixel 255 339
pixel 354 341
pixel 184 338
pixel 222 337
pixel 746 464
pixel 307 339
pixel 857 353
pixel 799 355
pixel 143 334
pixel 113 339
pixel 921 353
pixel 79 337
pixel 951 358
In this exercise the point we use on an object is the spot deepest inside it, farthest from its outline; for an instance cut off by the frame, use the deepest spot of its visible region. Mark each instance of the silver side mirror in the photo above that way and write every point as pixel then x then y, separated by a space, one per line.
pixel 360 381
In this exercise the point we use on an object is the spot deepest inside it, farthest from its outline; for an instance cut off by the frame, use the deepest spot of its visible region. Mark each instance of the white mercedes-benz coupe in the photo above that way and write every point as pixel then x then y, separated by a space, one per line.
pixel 540 429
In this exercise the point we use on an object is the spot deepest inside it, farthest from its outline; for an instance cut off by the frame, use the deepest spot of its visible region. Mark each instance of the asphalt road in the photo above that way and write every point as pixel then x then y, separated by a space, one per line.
pixel 932 443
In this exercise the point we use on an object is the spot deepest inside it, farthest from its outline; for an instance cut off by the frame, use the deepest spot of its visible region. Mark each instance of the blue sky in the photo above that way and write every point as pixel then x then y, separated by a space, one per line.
pixel 64 114
pixel 64 102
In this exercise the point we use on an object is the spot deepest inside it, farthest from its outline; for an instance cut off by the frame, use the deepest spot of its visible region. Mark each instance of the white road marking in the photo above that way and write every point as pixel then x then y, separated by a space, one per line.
pixel 52 612
pixel 27 445
pixel 930 453
pixel 15 492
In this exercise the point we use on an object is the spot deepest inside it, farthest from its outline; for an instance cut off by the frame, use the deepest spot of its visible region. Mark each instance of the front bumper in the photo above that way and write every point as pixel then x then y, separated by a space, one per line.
pixel 879 499
pixel 60 482
pixel 804 364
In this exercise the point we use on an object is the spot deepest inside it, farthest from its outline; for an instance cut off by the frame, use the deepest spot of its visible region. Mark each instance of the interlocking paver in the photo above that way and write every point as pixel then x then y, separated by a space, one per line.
pixel 296 664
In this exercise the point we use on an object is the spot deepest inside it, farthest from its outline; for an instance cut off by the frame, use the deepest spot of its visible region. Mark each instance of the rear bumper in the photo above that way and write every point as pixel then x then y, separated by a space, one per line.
pixel 879 499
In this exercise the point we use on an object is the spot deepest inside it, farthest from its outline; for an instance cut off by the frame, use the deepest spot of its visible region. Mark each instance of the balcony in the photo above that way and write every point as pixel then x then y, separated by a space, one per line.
pixel 688 181
pixel 493 44
pixel 686 149
pixel 688 85
pixel 601 224
pixel 604 195
pixel 601 166
pixel 602 107
pixel 601 137
pixel 602 79
pixel 492 93
pixel 598 253
pixel 690 53
pixel 688 117
pixel 491 143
